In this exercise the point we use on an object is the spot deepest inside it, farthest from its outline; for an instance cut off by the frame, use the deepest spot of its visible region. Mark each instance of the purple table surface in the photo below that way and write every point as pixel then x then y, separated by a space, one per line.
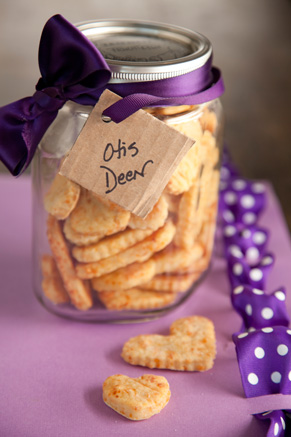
pixel 52 370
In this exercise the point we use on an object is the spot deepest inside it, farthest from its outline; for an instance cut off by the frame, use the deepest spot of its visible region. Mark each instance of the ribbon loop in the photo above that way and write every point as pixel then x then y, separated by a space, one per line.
pixel 72 69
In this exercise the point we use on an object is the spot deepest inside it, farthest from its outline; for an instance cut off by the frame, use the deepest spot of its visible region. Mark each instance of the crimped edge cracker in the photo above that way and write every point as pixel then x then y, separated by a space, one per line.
pixel 189 220
pixel 128 277
pixel 111 245
pixel 78 238
pixel 77 289
pixel 186 173
pixel 140 252
pixel 171 283
pixel 136 398
pixel 135 299
pixel 190 346
pixel 154 220
pixel 92 216
pixel 173 259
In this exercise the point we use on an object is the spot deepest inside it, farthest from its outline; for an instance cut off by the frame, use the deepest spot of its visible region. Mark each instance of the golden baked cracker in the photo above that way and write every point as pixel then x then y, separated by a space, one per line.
pixel 193 325
pixel 136 398
pixel 198 266
pixel 191 128
pixel 78 238
pixel 140 252
pixel 192 205
pixel 128 277
pixel 208 143
pixel 135 299
pixel 188 169
pixel 207 235
pixel 77 289
pixel 190 346
pixel 208 120
pixel 154 220
pixel 211 195
pixel 170 110
pixel 203 153
pixel 111 245
pixel 48 266
pixel 206 239
pixel 92 216
pixel 189 221
pixel 186 173
pixel 171 283
pixel 52 284
pixel 174 259
pixel 62 197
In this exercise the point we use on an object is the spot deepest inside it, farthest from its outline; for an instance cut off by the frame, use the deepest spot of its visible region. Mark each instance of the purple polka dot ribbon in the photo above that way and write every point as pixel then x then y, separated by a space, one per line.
pixel 258 309
pixel 264 357
pixel 241 272
pixel 279 422
pixel 263 344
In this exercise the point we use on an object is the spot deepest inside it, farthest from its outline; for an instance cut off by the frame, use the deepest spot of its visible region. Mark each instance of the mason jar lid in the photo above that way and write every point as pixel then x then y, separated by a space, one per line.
pixel 138 51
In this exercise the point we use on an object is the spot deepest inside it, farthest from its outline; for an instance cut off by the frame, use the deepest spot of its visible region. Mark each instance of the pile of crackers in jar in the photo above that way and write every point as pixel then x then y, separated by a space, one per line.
pixel 101 253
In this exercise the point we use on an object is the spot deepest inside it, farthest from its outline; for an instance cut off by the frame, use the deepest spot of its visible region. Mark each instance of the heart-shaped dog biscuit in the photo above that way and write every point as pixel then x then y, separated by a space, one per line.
pixel 190 346
pixel 136 398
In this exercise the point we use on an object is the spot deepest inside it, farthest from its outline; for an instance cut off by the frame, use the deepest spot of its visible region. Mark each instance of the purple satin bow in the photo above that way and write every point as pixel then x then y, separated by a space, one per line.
pixel 72 68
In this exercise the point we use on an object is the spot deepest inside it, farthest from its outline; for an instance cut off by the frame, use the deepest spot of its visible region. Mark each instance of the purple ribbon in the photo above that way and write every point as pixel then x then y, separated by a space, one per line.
pixel 278 422
pixel 258 309
pixel 264 358
pixel 72 68
pixel 194 88
pixel 263 345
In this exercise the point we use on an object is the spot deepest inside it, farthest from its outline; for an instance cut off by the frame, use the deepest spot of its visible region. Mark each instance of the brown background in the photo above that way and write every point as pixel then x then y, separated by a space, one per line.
pixel 252 46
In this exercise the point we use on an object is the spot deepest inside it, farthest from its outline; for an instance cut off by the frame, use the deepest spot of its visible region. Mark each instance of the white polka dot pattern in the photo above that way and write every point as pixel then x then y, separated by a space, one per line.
pixel 276 377
pixel 247 201
pixel 277 422
pixel 259 352
pixel 237 269
pixel 230 198
pixel 263 370
pixel 253 379
pixel 249 309
pixel 280 295
pixel 258 309
pixel 267 313
pixel 264 331
pixel 282 349
pixel 256 274
pixel 239 184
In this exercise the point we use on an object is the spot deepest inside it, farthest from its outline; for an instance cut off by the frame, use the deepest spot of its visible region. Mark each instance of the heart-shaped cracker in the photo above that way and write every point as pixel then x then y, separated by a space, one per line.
pixel 136 398
pixel 190 346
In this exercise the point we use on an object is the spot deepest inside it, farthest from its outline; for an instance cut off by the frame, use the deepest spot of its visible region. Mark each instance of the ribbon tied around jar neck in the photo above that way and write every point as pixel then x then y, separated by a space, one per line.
pixel 72 68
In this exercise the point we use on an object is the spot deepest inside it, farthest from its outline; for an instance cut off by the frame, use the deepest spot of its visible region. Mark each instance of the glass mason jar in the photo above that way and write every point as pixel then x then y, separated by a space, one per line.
pixel 70 233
